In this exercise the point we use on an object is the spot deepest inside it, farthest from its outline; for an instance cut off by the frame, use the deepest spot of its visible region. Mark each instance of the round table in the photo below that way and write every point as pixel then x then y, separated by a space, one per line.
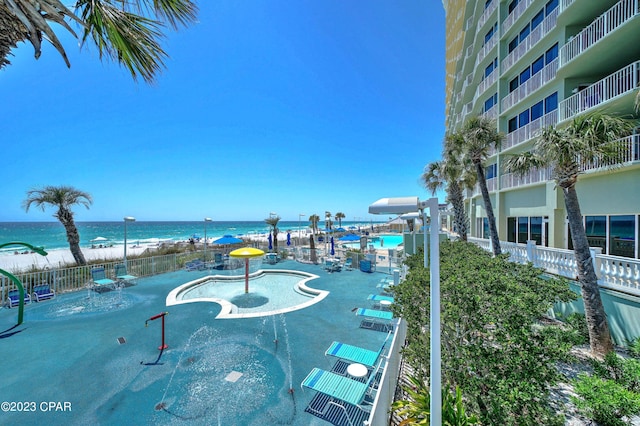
pixel 385 303
pixel 357 370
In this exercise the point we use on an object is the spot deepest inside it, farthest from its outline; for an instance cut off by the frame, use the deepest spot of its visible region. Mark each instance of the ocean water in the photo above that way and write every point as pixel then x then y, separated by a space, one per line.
pixel 51 235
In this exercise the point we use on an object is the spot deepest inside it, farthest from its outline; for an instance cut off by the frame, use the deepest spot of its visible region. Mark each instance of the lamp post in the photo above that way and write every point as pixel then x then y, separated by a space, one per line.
pixel 411 204
pixel 299 223
pixel 206 219
pixel 126 219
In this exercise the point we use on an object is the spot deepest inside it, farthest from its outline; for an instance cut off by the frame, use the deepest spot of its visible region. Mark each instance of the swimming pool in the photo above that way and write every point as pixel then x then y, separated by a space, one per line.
pixel 107 365
pixel 270 292
pixel 385 241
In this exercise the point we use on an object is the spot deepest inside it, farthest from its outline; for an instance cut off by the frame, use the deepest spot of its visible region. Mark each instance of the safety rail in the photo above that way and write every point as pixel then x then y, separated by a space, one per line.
pixel 614 272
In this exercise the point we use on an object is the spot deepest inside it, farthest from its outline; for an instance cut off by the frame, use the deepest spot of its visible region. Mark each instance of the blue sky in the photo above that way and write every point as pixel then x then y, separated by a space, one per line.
pixel 265 106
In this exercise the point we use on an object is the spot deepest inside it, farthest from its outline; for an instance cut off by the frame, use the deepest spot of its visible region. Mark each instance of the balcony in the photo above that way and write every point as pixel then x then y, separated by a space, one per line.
pixel 512 180
pixel 515 14
pixel 485 84
pixel 528 132
pixel 491 113
pixel 606 23
pixel 492 185
pixel 487 48
pixel 627 151
pixel 539 79
pixel 486 15
pixel 618 83
pixel 528 43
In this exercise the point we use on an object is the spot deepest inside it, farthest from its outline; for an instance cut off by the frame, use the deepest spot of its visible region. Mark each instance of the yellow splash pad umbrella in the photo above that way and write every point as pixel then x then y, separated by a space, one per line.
pixel 246 253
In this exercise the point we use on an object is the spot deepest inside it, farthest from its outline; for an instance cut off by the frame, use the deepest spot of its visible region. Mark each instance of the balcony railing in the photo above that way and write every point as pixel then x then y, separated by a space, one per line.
pixel 618 83
pixel 538 80
pixel 491 113
pixel 487 48
pixel 513 180
pixel 492 185
pixel 627 151
pixel 528 43
pixel 528 132
pixel 485 84
pixel 486 15
pixel 598 29
pixel 515 14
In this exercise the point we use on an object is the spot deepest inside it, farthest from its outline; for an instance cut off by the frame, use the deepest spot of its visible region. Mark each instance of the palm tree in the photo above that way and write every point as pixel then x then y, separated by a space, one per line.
pixel 588 138
pixel 480 135
pixel 314 219
pixel 126 32
pixel 339 217
pixel 449 173
pixel 327 220
pixel 273 222
pixel 63 198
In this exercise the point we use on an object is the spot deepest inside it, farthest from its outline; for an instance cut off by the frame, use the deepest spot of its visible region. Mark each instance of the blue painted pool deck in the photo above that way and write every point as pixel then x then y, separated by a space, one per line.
pixel 214 372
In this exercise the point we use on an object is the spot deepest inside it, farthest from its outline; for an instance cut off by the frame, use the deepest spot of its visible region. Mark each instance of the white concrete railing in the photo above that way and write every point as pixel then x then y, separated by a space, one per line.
pixel 548 24
pixel 515 14
pixel 614 272
pixel 485 84
pixel 486 14
pixel 531 130
pixel 536 81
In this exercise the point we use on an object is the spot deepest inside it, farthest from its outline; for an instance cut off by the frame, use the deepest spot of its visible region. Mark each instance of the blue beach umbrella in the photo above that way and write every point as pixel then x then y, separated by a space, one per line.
pixel 227 239
pixel 270 242
pixel 349 237
pixel 288 238
pixel 341 230
pixel 333 252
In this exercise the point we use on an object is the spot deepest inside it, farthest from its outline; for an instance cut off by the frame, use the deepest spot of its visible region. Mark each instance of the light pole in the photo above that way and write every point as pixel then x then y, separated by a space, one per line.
pixel 299 223
pixel 126 219
pixel 411 204
pixel 206 219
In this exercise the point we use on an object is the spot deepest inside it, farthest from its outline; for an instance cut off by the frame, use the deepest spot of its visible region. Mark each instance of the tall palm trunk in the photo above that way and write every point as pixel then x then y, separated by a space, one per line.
pixel 312 248
pixel 599 335
pixel 459 213
pixel 66 218
pixel 493 230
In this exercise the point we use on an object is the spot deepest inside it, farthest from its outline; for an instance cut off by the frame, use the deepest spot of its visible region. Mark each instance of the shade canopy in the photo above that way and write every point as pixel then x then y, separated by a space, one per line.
pixel 228 239
pixel 246 252
pixel 350 237
pixel 398 205
pixel 98 239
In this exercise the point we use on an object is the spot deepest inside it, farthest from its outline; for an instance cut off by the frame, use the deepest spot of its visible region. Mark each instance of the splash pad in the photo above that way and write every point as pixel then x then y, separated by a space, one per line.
pixel 271 292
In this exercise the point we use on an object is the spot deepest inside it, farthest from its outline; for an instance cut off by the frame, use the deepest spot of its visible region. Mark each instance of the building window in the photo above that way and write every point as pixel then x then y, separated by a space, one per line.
pixel 537 111
pixel 551 103
pixel 491 171
pixel 513 124
pixel 513 84
pixel 511 229
pixel 537 20
pixel 551 5
pixel 537 65
pixel 513 44
pixel 523 229
pixel 523 118
pixel 487 3
pixel 525 32
pixel 596 229
pixel 512 5
pixel 525 75
pixel 551 54
pixel 622 233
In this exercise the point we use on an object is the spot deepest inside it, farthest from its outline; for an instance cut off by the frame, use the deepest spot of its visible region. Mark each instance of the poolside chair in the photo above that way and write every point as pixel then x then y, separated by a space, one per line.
pixel 14 298
pixel 100 280
pixel 331 265
pixel 341 388
pixel 348 264
pixel 356 354
pixel 123 276
pixel 43 292
pixel 375 319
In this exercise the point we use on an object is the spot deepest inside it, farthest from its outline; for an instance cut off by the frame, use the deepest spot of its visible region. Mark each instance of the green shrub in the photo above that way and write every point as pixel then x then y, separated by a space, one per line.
pixel 604 400
pixel 634 347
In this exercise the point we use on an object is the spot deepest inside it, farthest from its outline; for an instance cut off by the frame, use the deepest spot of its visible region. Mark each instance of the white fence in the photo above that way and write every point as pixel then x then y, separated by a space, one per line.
pixel 614 272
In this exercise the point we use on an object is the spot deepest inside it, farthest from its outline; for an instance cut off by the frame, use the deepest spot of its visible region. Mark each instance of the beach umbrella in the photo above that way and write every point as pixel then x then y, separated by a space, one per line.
pixel 227 239
pixel 350 237
pixel 288 238
pixel 333 252
pixel 270 241
pixel 341 230
pixel 246 253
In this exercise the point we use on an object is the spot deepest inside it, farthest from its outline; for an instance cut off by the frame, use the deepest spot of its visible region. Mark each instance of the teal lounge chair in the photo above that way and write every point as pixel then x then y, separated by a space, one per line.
pixel 43 292
pixel 380 298
pixel 374 313
pixel 356 354
pixel 122 275
pixel 100 280
pixel 340 387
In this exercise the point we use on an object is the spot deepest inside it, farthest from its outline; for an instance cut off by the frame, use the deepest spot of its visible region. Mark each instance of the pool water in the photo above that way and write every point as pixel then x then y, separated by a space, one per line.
pixel 387 241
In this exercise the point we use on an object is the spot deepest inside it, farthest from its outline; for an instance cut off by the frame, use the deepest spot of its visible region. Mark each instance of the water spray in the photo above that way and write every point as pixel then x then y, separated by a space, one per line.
pixel 163 346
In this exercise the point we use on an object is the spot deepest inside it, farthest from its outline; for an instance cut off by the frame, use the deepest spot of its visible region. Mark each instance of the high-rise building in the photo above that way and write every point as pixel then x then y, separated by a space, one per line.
pixel 534 63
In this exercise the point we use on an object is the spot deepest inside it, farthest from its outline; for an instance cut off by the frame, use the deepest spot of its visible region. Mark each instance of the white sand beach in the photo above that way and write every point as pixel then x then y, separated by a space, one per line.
pixel 62 257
